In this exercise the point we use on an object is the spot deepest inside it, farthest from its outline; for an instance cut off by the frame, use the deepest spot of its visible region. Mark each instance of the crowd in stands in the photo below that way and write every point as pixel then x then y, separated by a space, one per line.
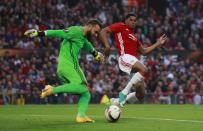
pixel 172 79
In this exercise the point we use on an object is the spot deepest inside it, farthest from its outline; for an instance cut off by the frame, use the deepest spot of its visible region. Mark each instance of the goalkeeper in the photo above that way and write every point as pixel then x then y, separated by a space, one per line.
pixel 68 70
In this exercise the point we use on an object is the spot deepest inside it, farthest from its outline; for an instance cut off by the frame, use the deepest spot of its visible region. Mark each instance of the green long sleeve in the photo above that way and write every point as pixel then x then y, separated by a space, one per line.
pixel 65 34
pixel 88 46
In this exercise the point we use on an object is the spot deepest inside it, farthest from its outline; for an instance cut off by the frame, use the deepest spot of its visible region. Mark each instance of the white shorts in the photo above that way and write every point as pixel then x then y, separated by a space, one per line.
pixel 126 62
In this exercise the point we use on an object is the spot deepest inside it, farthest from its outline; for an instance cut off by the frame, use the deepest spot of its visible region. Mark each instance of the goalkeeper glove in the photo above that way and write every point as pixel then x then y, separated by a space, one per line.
pixel 34 33
pixel 98 56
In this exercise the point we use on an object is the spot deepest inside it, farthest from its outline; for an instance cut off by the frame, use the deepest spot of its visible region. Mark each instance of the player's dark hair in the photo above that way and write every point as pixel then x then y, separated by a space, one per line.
pixel 129 15
pixel 94 22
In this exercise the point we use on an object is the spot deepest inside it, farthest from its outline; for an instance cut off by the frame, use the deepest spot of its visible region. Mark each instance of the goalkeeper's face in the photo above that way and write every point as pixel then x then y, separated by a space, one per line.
pixel 95 29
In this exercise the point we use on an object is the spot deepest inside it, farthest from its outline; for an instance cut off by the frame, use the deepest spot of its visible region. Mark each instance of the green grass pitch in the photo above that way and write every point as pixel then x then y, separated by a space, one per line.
pixel 133 118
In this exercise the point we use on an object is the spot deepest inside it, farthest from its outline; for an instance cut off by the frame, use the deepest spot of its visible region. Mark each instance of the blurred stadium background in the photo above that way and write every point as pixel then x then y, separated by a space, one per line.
pixel 27 65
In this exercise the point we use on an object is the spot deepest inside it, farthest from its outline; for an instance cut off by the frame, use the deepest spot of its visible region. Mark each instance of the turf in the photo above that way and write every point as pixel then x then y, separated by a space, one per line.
pixel 134 118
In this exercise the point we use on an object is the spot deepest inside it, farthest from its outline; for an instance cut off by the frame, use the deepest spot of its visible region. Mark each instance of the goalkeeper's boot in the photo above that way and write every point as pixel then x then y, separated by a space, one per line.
pixel 89 119
pixel 84 120
pixel 122 99
pixel 114 101
pixel 47 91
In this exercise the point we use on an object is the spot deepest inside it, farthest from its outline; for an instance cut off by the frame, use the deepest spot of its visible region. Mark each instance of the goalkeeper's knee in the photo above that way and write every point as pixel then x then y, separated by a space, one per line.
pixel 87 95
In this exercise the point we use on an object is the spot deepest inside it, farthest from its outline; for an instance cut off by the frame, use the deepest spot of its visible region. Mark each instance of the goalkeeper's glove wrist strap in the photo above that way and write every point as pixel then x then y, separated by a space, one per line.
pixel 94 53
pixel 41 33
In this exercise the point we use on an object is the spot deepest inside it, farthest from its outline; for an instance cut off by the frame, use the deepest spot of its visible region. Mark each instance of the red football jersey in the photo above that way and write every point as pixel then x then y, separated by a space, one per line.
pixel 126 41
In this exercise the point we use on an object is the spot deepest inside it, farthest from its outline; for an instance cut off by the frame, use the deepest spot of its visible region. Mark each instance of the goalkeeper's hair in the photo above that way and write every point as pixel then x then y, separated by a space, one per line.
pixel 94 22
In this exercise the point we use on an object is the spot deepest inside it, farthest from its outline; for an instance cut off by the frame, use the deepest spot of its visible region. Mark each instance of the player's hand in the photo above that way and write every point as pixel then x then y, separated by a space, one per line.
pixel 162 39
pixel 31 33
pixel 99 57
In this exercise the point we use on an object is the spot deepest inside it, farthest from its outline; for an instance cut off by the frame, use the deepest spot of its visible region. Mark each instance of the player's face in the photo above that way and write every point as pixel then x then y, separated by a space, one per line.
pixel 131 22
pixel 95 30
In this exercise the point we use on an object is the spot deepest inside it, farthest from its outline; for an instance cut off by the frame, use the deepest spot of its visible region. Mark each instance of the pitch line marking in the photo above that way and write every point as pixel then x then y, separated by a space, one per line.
pixel 141 118
pixel 165 119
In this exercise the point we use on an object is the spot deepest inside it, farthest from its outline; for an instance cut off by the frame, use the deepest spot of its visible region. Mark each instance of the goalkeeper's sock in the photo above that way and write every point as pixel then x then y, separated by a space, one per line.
pixel 137 77
pixel 83 104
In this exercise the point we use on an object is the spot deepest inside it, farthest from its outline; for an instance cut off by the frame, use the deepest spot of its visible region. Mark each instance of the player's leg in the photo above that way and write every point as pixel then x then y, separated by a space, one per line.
pixel 137 95
pixel 82 108
pixel 67 75
pixel 75 83
pixel 140 90
pixel 84 98
pixel 137 77
pixel 128 63
pixel 130 96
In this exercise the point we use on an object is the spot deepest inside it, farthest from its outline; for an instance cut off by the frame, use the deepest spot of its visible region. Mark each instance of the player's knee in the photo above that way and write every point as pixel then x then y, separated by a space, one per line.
pixel 144 71
pixel 87 95
pixel 140 96
pixel 140 92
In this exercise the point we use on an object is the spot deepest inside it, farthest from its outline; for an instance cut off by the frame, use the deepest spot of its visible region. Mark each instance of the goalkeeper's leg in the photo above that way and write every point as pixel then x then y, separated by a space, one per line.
pixel 73 77
pixel 82 108
pixel 80 89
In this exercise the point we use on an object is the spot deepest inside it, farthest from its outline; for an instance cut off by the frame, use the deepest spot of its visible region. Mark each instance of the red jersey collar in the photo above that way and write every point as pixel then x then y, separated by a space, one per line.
pixel 129 27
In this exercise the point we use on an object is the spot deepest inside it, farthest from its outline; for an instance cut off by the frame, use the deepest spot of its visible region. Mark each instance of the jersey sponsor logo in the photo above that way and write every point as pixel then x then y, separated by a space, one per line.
pixel 131 36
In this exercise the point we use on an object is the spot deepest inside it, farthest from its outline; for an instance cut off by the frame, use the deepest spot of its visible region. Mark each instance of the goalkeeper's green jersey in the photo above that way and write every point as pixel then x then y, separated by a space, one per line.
pixel 73 41
pixel 72 37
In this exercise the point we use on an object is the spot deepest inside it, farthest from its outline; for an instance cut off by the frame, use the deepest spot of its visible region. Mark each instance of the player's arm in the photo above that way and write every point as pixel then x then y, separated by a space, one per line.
pixel 104 35
pixel 49 33
pixel 89 48
pixel 161 40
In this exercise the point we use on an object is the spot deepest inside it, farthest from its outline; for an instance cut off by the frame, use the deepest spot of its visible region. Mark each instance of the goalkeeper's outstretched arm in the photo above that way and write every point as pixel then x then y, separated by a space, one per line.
pixel 89 48
pixel 49 33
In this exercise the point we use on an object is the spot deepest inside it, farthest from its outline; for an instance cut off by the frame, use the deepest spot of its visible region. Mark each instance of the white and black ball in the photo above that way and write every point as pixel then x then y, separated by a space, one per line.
pixel 112 113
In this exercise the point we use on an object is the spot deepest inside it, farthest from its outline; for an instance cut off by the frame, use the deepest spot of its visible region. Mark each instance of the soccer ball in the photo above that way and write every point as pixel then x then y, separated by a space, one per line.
pixel 112 113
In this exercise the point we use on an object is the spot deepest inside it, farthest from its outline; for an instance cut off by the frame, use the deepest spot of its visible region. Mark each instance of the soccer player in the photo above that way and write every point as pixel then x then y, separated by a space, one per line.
pixel 68 69
pixel 129 47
